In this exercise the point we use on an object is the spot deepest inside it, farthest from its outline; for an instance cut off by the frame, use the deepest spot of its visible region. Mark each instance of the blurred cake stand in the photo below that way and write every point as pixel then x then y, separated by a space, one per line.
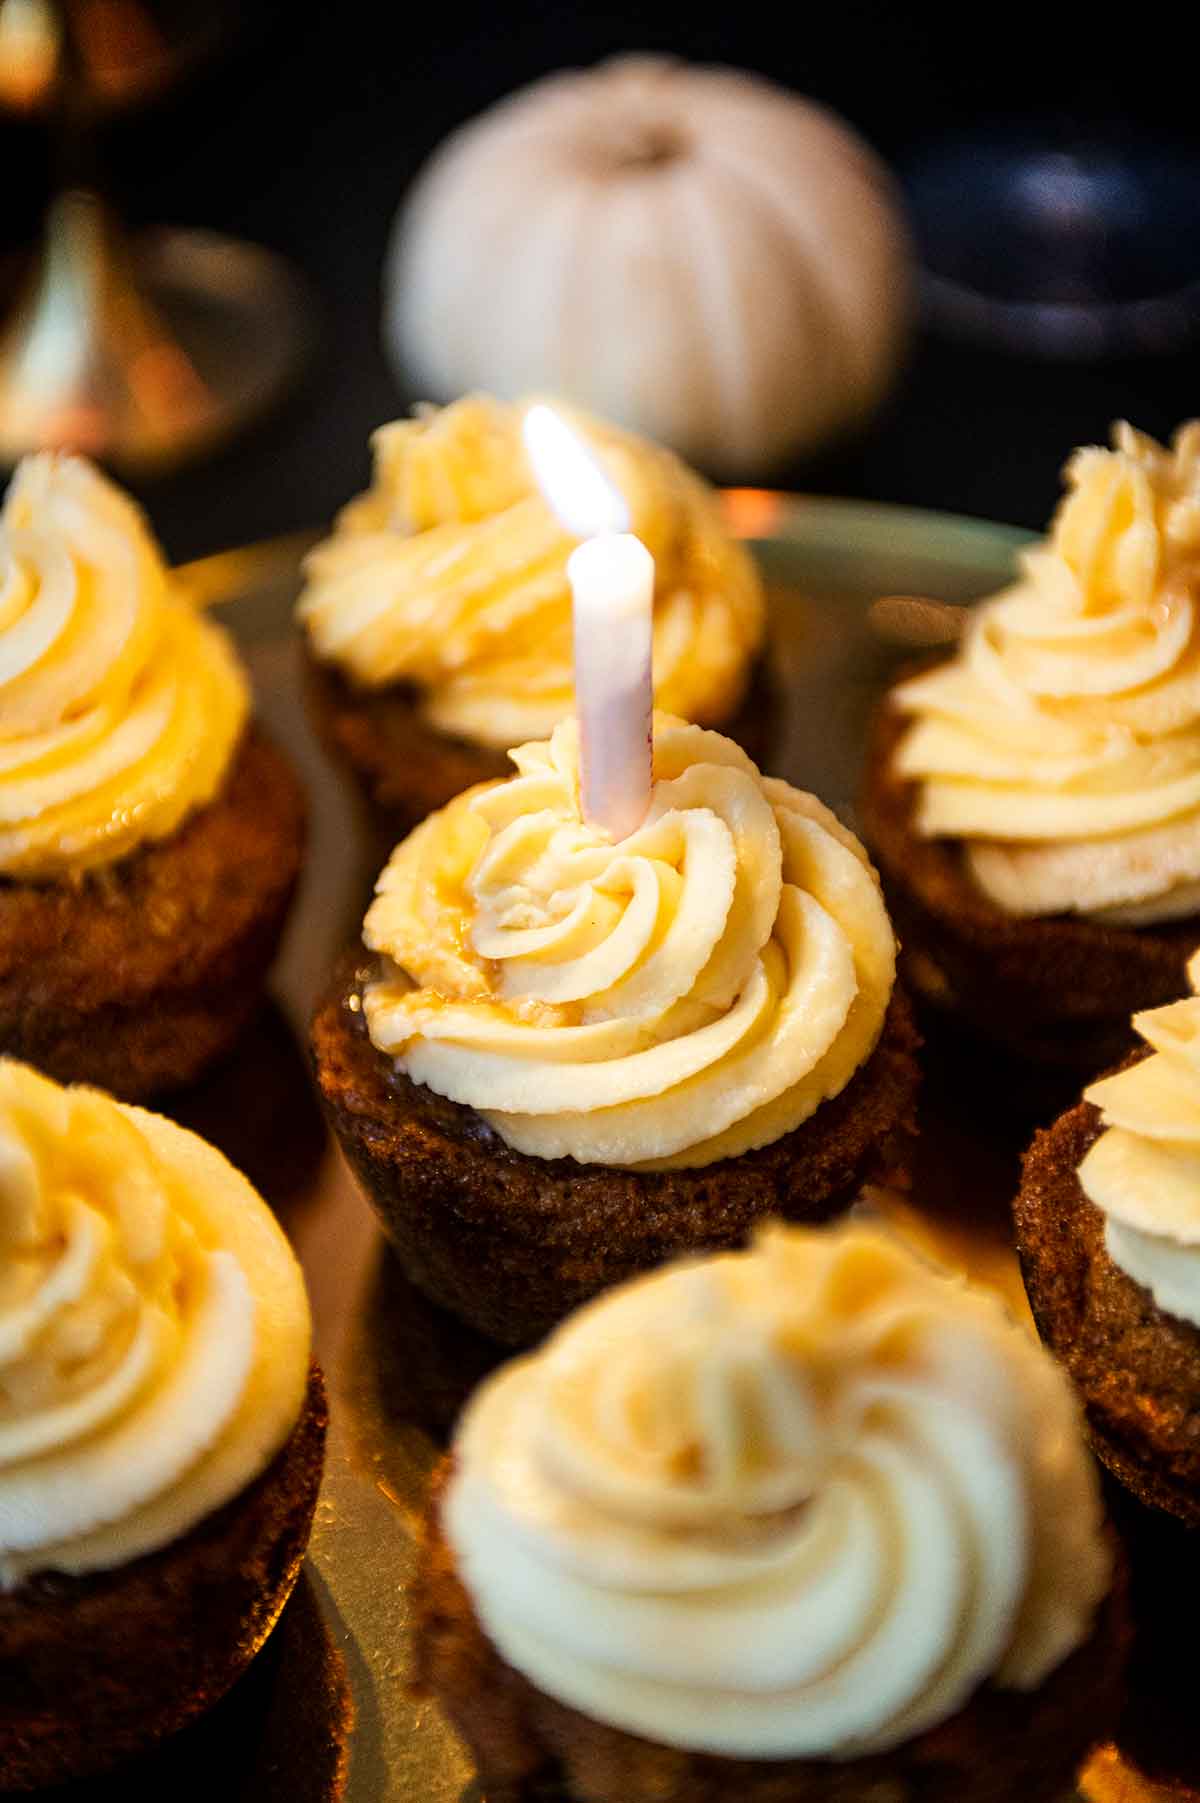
pixel 141 352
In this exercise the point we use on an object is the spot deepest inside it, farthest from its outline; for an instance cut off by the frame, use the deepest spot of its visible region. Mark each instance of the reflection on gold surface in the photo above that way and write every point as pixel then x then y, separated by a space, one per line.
pixel 115 53
pixel 121 49
pixel 1107 1778
pixel 30 45
pixel 752 512
pixel 160 372
pixel 86 364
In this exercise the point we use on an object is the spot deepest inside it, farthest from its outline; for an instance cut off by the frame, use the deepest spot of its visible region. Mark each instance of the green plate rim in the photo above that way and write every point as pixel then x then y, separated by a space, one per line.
pixel 820 519
pixel 839 523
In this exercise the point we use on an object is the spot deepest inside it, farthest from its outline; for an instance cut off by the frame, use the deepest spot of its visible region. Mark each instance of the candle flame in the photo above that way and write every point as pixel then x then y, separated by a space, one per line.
pixel 570 477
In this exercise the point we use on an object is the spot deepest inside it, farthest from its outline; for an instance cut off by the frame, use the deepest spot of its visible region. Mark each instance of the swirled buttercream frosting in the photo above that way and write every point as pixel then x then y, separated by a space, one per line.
pixel 800 1501
pixel 120 704
pixel 1062 743
pixel 154 1330
pixel 1144 1170
pixel 450 574
pixel 688 993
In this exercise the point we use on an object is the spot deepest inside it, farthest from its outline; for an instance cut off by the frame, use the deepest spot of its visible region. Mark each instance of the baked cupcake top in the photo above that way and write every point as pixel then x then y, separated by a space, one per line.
pixel 686 994
pixel 799 1501
pixel 1144 1170
pixel 1062 743
pixel 120 705
pixel 154 1330
pixel 450 573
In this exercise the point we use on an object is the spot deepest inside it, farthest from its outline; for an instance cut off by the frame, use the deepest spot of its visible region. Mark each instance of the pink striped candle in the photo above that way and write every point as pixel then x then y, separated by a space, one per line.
pixel 612 598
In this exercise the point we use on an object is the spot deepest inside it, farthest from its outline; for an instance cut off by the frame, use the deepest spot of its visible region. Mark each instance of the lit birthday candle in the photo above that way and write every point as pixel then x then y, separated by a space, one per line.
pixel 612 597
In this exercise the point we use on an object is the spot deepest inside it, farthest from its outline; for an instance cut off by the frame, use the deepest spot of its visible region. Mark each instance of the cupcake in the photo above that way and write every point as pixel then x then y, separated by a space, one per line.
pixel 563 1059
pixel 1033 801
pixel 811 1521
pixel 1108 1228
pixel 161 1427
pixel 150 836
pixel 438 616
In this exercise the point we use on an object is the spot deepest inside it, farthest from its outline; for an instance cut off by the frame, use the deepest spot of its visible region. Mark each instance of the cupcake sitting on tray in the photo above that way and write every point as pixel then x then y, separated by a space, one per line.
pixel 561 1059
pixel 438 615
pixel 622 1004
pixel 809 1522
pixel 161 1428
pixel 1108 1227
pixel 1033 801
pixel 150 835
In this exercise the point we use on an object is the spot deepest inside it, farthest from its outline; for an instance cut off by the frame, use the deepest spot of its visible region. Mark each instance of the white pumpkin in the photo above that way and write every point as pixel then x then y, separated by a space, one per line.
pixel 692 252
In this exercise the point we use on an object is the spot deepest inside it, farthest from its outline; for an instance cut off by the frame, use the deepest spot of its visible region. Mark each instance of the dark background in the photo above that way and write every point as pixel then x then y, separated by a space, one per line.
pixel 304 132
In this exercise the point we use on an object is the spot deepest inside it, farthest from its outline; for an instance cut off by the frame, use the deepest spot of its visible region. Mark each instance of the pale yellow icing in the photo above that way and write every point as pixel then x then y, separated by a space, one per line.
pixel 1144 1170
pixel 686 994
pixel 154 1330
pixel 796 1501
pixel 1062 743
pixel 450 574
pixel 120 705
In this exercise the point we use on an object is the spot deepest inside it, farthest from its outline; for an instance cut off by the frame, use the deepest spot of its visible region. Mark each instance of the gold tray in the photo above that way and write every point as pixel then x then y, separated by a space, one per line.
pixel 324 1713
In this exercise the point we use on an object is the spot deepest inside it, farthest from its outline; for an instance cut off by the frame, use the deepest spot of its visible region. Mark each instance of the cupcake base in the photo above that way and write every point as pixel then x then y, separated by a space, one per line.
pixel 95 1669
pixel 1055 991
pixel 141 975
pixel 1137 1368
pixel 511 1243
pixel 407 770
pixel 1002 1744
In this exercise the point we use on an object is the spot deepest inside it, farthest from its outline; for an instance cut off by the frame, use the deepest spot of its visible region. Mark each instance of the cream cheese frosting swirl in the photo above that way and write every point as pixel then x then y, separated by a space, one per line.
pixel 1144 1170
pixel 1062 743
pixel 691 992
pixel 120 705
pixel 450 574
pixel 800 1501
pixel 154 1330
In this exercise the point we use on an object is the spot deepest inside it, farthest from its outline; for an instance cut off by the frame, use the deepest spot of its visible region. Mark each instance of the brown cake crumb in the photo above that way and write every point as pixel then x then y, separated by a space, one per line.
pixel 94 1669
pixel 1056 990
pixel 511 1243
pixel 408 770
pixel 1136 1367
pixel 141 974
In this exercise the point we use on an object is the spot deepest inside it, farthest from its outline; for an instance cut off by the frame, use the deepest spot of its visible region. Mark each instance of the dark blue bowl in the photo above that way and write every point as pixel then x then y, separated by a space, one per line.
pixel 1073 244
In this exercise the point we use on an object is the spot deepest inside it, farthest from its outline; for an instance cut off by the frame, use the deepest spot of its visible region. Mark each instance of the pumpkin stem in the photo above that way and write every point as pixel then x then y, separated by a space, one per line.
pixel 655 142
pixel 635 142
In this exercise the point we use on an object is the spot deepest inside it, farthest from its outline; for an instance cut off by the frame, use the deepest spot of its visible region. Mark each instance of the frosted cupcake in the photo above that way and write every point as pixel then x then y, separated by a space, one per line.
pixel 1108 1224
pixel 150 836
pixel 1034 801
pixel 810 1521
pixel 561 1060
pixel 438 616
pixel 161 1427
